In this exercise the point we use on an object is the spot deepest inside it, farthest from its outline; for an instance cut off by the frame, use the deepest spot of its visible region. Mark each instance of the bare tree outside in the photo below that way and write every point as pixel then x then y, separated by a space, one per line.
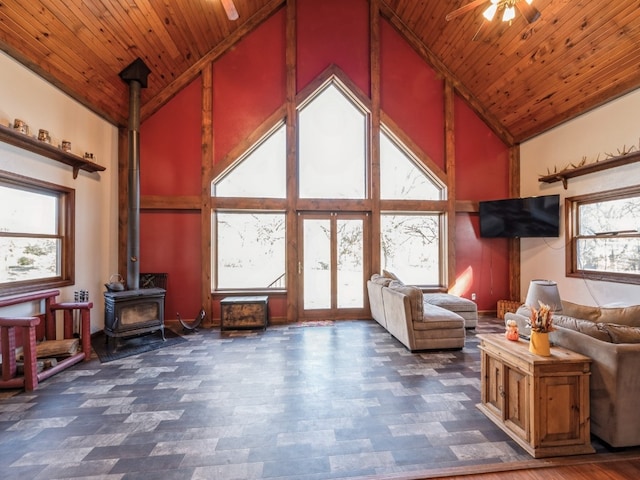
pixel 608 238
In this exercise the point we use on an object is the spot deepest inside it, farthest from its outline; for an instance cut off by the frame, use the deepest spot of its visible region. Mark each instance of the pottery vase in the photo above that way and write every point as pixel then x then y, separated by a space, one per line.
pixel 539 344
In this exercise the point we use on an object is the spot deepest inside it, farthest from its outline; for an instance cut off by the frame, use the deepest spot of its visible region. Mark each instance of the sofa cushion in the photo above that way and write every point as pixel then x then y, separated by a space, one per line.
pixel 438 318
pixel 524 310
pixel 621 315
pixel 593 329
pixel 618 315
pixel 415 298
pixel 451 302
pixel 622 333
pixel 584 312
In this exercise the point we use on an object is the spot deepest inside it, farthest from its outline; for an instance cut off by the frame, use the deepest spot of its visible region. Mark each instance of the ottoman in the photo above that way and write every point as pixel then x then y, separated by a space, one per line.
pixel 466 308
pixel 439 329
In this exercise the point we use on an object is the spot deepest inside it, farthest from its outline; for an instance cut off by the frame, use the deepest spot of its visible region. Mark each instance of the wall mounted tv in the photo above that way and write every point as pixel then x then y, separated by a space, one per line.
pixel 521 217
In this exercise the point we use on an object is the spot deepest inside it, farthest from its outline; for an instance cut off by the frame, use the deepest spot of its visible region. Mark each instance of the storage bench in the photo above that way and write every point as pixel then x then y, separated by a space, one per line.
pixel 244 312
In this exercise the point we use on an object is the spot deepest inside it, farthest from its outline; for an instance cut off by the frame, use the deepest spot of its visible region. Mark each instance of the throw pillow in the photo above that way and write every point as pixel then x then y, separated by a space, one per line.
pixel 621 315
pixel 391 275
pixel 587 327
pixel 415 298
pixel 583 312
pixel 623 333
pixel 380 280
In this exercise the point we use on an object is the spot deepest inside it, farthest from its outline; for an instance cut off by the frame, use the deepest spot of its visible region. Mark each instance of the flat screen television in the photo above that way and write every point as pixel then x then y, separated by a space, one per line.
pixel 521 217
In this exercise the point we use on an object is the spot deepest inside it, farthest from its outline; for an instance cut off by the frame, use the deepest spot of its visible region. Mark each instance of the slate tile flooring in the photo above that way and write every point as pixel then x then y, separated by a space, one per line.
pixel 334 401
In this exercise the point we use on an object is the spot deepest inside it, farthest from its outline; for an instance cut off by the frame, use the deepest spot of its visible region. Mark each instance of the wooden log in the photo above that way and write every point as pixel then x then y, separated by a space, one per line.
pixel 57 348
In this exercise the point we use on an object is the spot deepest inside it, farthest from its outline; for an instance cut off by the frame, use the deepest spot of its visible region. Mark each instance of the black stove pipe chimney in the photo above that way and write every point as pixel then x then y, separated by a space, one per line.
pixel 136 76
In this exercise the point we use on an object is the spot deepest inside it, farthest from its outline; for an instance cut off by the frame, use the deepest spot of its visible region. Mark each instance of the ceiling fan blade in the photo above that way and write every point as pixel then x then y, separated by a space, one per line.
pixel 529 12
pixel 476 37
pixel 464 9
pixel 230 9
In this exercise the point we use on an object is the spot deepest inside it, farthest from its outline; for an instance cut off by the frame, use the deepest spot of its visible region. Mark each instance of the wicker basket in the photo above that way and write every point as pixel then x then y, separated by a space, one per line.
pixel 505 306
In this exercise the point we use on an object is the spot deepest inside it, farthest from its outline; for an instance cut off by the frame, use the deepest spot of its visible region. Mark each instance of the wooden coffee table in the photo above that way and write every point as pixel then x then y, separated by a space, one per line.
pixel 540 402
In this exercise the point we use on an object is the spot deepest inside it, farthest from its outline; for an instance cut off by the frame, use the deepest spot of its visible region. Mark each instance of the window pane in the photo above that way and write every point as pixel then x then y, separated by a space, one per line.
pixel 251 249
pixel 400 177
pixel 28 258
pixel 618 215
pixel 332 145
pixel 27 212
pixel 609 254
pixel 410 247
pixel 260 173
pixel 317 264
pixel 350 263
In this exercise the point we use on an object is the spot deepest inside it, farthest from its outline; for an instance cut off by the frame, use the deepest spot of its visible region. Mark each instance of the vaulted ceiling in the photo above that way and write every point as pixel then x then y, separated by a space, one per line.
pixel 522 78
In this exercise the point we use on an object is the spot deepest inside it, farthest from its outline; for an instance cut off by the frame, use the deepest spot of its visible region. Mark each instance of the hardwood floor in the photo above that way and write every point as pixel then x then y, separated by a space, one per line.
pixel 613 470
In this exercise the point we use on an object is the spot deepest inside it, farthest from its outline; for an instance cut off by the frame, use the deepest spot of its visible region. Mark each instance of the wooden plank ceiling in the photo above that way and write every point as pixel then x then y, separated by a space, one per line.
pixel 523 78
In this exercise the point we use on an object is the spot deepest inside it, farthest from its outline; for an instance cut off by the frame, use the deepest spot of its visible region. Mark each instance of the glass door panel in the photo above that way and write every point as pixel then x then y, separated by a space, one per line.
pixel 350 263
pixel 316 265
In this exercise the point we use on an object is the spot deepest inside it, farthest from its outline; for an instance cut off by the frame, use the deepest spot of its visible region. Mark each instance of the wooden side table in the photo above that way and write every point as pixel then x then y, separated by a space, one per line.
pixel 540 402
pixel 244 312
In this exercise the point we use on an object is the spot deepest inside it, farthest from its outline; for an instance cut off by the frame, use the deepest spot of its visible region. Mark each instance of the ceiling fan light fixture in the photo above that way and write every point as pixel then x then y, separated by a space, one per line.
pixel 509 14
pixel 490 12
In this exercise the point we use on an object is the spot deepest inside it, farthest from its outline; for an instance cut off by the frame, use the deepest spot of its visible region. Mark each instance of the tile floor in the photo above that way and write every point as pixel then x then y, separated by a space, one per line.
pixel 343 400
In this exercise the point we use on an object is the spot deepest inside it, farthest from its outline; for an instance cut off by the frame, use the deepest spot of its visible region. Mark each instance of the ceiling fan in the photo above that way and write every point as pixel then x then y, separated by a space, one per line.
pixel 230 9
pixel 505 7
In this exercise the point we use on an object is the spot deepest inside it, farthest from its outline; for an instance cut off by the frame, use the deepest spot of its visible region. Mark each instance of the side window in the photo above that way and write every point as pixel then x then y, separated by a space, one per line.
pixel 36 234
pixel 604 240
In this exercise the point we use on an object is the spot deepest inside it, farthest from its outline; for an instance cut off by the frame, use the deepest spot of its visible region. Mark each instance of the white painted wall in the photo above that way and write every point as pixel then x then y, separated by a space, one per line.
pixel 603 130
pixel 27 96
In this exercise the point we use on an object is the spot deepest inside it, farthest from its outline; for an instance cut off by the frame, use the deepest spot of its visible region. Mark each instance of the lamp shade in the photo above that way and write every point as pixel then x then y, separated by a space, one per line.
pixel 545 291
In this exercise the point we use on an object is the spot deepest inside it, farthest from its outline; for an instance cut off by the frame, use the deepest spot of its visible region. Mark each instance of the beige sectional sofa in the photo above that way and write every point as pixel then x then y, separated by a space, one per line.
pixel 418 325
pixel 611 338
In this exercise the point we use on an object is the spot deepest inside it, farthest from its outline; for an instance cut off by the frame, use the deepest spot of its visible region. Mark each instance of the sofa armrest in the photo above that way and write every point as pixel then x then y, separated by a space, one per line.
pixel 397 310
pixel 614 385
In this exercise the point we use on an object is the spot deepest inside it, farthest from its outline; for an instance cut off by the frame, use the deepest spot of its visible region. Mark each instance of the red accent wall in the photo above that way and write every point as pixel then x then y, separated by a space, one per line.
pixel 170 164
pixel 482 159
pixel 411 93
pixel 333 32
pixel 170 242
pixel 171 145
pixel 249 84
pixel 482 173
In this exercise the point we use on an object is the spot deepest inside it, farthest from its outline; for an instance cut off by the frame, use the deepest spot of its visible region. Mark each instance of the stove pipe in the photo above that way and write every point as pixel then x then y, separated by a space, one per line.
pixel 136 76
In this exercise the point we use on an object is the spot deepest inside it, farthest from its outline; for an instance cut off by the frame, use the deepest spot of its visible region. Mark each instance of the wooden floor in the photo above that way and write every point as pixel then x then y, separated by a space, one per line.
pixel 628 469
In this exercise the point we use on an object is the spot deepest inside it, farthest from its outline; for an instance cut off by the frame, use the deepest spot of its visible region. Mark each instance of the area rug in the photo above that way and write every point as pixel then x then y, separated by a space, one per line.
pixel 132 345
pixel 314 323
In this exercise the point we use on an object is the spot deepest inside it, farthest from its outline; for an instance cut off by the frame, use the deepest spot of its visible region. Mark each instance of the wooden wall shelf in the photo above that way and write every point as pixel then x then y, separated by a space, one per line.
pixel 613 162
pixel 20 140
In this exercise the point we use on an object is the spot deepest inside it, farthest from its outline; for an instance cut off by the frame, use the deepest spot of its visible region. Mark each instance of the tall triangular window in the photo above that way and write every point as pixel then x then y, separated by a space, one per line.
pixel 401 176
pixel 260 172
pixel 332 145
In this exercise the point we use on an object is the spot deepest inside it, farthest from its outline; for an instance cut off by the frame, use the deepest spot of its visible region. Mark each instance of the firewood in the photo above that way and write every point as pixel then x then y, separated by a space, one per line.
pixel 57 348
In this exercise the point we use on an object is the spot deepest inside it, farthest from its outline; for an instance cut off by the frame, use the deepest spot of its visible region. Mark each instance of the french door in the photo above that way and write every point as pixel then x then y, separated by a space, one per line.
pixel 332 261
